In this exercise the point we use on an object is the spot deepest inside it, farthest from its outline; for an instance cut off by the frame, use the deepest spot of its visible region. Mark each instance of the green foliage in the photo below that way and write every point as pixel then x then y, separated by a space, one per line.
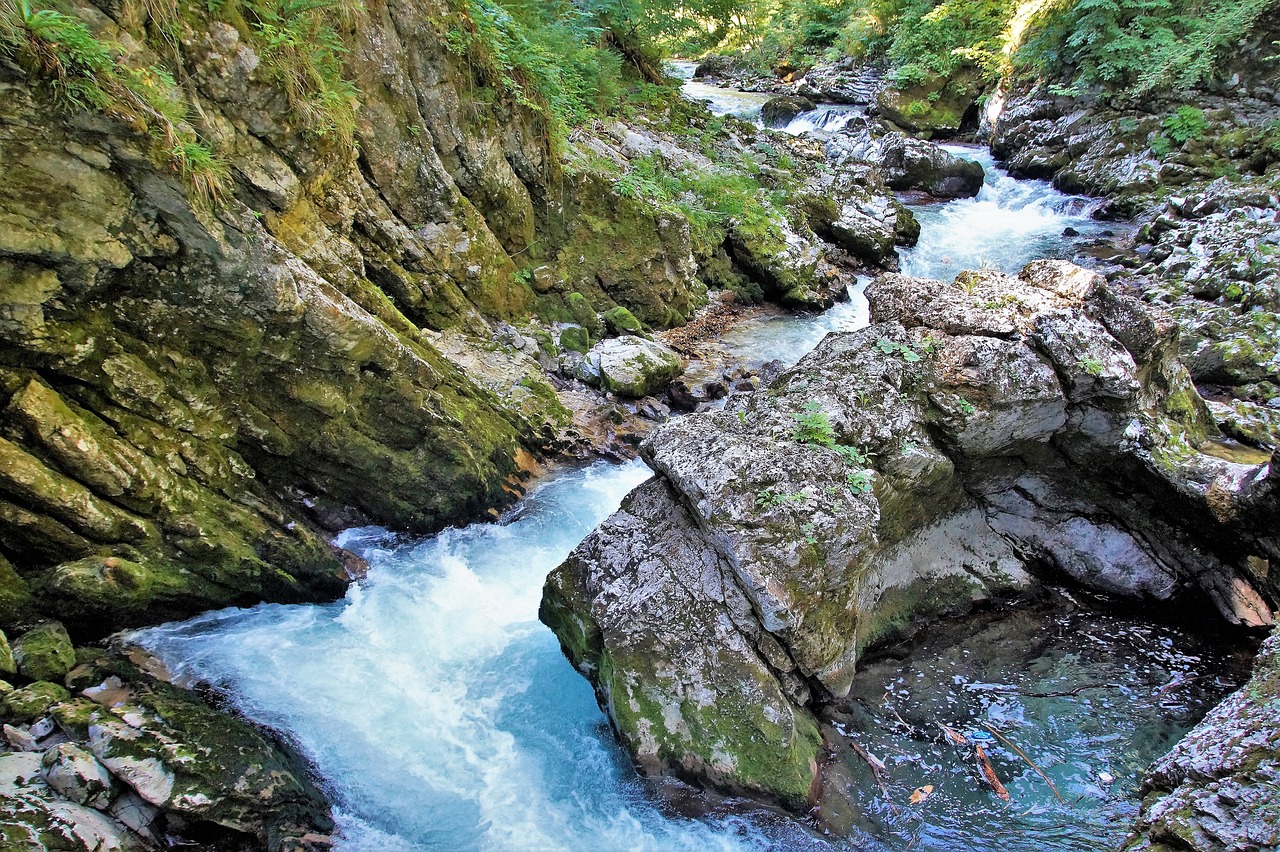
pixel 859 481
pixel 767 498
pixel 1138 46
pixel 1185 124
pixel 84 72
pixel 1092 366
pixel 935 40
pixel 813 426
pixel 965 406
pixel 902 350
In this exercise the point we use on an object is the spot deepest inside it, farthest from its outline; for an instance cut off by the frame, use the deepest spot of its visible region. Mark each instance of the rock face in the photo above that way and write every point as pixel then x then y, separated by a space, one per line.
pixel 1218 787
pixel 133 763
pixel 978 433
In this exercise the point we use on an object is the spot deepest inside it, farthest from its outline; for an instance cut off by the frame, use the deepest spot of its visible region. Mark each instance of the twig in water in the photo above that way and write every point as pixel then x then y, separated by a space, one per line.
pixel 989 773
pixel 1029 761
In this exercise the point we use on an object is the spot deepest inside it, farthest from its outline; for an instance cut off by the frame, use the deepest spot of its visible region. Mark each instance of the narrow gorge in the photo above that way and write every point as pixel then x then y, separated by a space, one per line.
pixel 442 425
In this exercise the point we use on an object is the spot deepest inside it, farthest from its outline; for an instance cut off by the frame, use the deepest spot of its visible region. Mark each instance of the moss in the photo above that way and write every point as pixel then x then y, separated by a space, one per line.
pixel 584 314
pixel 32 702
pixel 575 339
pixel 8 666
pixel 622 321
pixel 45 652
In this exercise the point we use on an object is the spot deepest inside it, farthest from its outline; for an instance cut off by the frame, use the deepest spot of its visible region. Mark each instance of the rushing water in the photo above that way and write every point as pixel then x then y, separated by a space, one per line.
pixel 441 715
pixel 1010 223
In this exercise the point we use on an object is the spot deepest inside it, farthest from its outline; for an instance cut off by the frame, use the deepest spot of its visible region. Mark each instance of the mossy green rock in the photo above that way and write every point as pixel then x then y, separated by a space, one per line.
pixel 935 108
pixel 44 652
pixel 622 321
pixel 575 339
pixel 8 666
pixel 584 314
pixel 31 702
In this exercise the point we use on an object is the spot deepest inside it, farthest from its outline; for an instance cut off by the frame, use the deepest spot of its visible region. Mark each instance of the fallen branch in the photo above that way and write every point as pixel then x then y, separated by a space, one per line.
pixel 877 768
pixel 989 773
pixel 1029 761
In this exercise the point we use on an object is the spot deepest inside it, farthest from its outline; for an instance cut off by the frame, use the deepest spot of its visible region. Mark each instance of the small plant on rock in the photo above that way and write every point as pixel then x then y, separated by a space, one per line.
pixel 1090 365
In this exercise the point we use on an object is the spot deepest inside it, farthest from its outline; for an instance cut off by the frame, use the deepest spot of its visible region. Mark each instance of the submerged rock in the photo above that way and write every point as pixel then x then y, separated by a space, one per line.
pixel 978 432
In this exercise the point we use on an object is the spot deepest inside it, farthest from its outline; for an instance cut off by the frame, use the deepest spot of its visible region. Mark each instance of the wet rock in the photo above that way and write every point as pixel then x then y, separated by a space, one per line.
pixel 911 164
pixel 1062 432
pixel 780 111
pixel 1217 787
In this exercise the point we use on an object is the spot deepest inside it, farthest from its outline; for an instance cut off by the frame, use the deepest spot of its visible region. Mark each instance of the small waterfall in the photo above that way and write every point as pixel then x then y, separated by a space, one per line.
pixel 827 118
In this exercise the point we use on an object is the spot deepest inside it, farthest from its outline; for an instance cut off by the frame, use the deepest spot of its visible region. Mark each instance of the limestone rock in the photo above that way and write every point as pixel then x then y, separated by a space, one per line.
pixel 897 472
pixel 1217 788
pixel 630 366
pixel 911 164
pixel 76 775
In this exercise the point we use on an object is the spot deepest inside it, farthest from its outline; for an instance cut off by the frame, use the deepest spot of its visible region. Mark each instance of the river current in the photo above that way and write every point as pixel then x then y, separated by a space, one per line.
pixel 441 715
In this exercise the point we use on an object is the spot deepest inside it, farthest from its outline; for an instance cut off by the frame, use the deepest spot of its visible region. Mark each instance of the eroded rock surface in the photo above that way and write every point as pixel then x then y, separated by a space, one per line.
pixel 978 433
pixel 1219 786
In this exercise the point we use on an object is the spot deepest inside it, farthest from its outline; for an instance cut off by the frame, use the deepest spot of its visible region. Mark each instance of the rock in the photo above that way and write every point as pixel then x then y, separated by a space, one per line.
pixel 821 517
pixel 630 366
pixel 44 652
pixel 911 164
pixel 33 701
pixel 622 321
pixel 75 774
pixel 779 111
pixel 936 108
pixel 188 760
pixel 1216 788
pixel 8 665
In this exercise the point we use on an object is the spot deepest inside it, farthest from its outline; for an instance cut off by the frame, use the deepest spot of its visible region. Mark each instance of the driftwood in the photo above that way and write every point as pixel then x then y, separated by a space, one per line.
pixel 1029 761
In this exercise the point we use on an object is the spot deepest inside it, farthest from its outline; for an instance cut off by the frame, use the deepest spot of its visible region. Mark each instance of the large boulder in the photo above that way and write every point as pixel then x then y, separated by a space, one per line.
pixel 935 108
pixel 907 163
pixel 780 111
pixel 630 366
pixel 976 429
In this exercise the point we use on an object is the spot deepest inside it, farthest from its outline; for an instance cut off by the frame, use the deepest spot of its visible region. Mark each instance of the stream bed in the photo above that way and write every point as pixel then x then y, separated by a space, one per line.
pixel 441 715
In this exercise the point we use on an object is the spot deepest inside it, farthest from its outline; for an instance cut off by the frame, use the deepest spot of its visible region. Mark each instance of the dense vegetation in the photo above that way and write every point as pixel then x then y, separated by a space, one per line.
pixel 1124 46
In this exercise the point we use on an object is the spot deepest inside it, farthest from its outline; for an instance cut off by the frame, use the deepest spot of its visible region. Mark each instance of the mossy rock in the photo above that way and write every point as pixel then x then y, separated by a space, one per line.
pixel 584 314
pixel 33 701
pixel 575 339
pixel 45 652
pixel 938 107
pixel 8 665
pixel 622 321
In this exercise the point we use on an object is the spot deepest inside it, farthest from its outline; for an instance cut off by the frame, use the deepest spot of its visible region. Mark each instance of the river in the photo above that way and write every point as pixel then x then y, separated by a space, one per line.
pixel 441 715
